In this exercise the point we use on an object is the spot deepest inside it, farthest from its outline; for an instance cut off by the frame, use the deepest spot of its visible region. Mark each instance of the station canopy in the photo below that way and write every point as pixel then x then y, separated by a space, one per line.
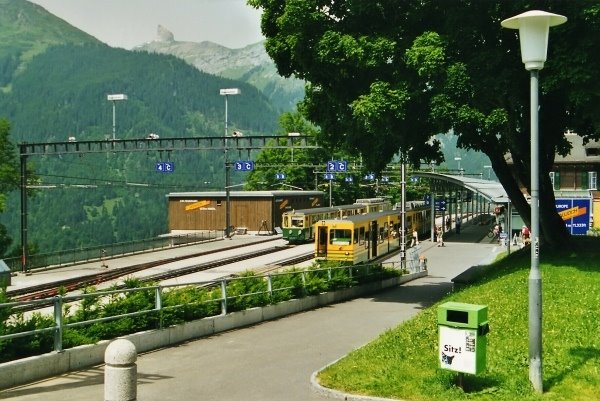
pixel 491 190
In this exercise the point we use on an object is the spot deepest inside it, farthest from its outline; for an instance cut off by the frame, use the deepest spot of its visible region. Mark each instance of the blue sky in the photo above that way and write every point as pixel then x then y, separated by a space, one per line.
pixel 128 23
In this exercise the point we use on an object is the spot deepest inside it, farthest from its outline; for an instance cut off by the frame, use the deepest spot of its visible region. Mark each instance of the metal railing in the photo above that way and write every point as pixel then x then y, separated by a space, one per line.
pixel 223 294
pixel 83 255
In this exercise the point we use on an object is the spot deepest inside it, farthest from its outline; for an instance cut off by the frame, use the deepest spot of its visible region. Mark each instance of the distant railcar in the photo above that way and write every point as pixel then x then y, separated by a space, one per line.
pixel 360 238
pixel 298 224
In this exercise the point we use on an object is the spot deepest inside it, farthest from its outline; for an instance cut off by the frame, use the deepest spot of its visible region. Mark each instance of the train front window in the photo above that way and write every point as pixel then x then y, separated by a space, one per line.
pixel 297 222
pixel 340 237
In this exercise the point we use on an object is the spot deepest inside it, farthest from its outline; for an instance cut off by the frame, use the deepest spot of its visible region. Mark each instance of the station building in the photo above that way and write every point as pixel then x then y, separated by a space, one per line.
pixel 575 181
pixel 250 211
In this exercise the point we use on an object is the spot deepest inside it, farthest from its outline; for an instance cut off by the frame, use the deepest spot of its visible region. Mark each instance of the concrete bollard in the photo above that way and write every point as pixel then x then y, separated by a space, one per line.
pixel 120 371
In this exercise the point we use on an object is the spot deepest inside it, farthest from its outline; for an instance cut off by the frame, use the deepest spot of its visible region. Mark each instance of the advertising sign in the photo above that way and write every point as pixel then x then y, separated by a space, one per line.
pixel 575 213
pixel 458 349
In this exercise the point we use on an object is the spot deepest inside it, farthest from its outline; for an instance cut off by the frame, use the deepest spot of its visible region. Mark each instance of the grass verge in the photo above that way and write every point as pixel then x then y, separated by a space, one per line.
pixel 403 362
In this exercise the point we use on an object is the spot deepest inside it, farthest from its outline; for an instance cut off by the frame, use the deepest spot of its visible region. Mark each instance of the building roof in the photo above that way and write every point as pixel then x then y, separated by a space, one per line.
pixel 242 194
pixel 580 153
pixel 491 190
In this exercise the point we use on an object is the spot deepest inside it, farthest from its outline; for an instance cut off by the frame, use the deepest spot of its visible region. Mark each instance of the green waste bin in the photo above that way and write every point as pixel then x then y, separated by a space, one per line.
pixel 462 336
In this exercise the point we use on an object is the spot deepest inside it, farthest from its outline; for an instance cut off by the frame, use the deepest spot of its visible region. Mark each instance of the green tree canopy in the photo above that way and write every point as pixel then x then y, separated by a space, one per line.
pixel 9 176
pixel 386 76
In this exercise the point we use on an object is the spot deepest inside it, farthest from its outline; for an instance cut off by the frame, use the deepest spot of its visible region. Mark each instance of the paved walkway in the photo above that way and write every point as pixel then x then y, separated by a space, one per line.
pixel 275 360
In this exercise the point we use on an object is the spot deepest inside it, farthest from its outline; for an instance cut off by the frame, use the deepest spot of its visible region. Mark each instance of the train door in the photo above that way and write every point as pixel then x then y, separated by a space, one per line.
pixel 374 238
pixel 322 241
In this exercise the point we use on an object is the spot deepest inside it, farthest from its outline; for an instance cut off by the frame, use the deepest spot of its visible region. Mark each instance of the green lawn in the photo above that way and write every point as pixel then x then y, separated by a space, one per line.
pixel 403 363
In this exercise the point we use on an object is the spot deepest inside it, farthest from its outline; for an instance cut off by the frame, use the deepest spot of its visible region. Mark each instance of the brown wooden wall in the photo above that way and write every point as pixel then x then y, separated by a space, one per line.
pixel 249 212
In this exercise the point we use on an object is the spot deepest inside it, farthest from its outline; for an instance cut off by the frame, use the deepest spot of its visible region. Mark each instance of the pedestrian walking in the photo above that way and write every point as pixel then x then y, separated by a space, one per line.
pixel 525 235
pixel 102 258
pixel 415 238
pixel 440 236
pixel 458 224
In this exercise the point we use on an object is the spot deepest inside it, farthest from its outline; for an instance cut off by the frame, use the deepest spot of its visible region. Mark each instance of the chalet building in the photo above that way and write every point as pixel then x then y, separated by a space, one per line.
pixel 250 211
pixel 578 171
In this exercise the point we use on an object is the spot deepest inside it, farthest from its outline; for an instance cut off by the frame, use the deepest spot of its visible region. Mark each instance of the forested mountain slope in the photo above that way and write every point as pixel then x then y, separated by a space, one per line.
pixel 26 30
pixel 55 83
pixel 62 92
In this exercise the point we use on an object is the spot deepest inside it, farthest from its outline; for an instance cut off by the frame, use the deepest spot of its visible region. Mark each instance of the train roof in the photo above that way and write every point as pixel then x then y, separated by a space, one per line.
pixel 324 209
pixel 357 218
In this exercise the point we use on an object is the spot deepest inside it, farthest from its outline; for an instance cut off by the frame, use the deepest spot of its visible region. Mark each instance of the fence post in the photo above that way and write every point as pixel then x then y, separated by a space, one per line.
pixel 224 297
pixel 158 305
pixel 58 322
pixel 270 285
pixel 120 371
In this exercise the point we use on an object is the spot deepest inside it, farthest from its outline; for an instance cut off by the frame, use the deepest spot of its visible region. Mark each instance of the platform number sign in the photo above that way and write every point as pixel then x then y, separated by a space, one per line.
pixel 369 177
pixel 348 178
pixel 385 178
pixel 280 176
pixel 165 167
pixel 334 166
pixel 328 176
pixel 243 165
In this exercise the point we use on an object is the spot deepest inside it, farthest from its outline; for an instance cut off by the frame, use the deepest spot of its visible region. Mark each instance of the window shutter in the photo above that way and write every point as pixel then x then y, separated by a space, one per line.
pixel 584 180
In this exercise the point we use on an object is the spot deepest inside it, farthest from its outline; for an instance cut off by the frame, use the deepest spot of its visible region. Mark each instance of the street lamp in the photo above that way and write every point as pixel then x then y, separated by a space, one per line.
pixel 458 159
pixel 114 99
pixel 489 169
pixel 226 93
pixel 533 29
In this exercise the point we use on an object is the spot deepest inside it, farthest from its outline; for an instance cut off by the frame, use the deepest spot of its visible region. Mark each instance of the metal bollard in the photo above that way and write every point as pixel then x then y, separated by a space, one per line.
pixel 120 371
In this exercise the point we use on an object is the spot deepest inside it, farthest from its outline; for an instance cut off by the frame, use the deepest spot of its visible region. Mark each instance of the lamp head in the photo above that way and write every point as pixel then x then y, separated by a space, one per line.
pixel 533 29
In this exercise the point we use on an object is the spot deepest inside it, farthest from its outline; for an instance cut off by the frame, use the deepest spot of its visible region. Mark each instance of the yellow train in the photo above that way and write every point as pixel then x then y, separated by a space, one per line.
pixel 298 224
pixel 360 238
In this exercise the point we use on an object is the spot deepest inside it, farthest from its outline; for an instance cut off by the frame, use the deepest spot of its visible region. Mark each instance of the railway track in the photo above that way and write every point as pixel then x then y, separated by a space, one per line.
pixel 211 265
pixel 188 270
pixel 51 289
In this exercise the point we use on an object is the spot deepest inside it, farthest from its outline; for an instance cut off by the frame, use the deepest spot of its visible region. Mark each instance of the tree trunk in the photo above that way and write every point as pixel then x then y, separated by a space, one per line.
pixel 553 231
pixel 552 228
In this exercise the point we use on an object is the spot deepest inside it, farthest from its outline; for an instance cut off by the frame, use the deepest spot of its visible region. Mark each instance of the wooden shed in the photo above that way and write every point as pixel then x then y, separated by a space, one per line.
pixel 257 211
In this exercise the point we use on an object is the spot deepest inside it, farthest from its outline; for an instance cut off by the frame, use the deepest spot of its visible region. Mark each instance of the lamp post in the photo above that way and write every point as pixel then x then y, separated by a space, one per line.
pixel 403 212
pixel 114 98
pixel 489 169
pixel 226 93
pixel 533 29
pixel 293 134
pixel 458 159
